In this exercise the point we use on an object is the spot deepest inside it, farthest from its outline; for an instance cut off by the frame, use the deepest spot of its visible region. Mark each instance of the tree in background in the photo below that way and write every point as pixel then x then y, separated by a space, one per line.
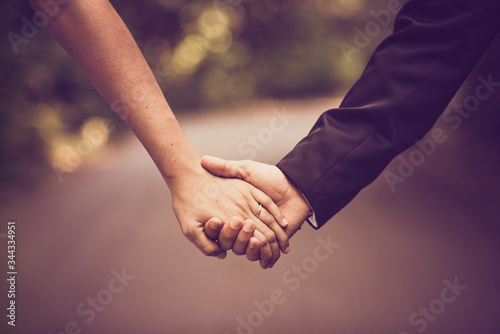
pixel 204 53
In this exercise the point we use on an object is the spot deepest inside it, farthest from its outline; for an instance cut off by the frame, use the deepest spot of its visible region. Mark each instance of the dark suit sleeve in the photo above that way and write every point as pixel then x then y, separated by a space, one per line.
pixel 407 84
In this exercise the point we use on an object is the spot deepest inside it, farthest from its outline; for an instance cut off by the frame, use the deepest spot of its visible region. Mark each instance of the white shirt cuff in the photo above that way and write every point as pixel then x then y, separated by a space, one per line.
pixel 312 216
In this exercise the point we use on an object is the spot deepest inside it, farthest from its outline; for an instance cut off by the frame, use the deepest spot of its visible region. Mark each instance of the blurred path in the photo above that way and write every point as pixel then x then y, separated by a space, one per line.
pixel 395 249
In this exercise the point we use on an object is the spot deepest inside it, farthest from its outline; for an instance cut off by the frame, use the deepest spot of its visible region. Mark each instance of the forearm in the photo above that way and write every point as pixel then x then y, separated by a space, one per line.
pixel 407 84
pixel 94 35
pixel 97 39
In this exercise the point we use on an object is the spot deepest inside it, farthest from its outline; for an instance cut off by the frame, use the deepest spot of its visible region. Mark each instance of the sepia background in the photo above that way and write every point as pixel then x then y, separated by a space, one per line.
pixel 90 206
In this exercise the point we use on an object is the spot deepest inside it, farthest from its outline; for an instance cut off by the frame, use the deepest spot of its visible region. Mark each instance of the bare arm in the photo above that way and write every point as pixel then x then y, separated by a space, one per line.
pixel 94 35
pixel 97 39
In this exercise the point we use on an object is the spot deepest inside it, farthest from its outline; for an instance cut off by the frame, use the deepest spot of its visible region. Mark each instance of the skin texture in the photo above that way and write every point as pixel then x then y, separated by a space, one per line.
pixel 271 181
pixel 94 35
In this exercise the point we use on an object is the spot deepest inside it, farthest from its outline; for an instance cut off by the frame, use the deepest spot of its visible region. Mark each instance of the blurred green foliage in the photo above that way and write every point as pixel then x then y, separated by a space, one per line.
pixel 204 53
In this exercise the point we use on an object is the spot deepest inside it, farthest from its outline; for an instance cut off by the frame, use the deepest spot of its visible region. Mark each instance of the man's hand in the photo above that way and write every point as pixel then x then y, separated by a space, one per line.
pixel 236 235
pixel 271 181
pixel 198 196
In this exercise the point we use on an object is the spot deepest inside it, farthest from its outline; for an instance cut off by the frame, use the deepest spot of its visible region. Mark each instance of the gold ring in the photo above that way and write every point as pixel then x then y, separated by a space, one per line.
pixel 258 211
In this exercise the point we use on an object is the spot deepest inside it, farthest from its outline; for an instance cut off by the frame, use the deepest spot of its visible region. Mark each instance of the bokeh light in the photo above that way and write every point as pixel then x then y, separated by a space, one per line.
pixel 203 54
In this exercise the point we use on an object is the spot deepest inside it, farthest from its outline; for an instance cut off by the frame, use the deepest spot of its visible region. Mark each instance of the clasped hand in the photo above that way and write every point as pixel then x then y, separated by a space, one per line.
pixel 219 209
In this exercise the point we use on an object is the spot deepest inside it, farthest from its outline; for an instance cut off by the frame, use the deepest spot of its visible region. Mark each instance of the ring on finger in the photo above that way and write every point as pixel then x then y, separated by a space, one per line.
pixel 259 211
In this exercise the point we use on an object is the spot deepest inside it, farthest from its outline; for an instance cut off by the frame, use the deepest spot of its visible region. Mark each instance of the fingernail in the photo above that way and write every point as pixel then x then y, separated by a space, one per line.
pixel 285 222
pixel 214 226
pixel 235 224
pixel 287 250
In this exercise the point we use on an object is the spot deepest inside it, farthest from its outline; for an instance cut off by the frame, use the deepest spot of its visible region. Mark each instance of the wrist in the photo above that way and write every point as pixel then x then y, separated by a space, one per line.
pixel 182 174
pixel 303 206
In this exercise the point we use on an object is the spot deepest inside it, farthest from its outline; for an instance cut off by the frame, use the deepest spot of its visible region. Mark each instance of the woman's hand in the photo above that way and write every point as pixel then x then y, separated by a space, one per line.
pixel 111 60
pixel 198 196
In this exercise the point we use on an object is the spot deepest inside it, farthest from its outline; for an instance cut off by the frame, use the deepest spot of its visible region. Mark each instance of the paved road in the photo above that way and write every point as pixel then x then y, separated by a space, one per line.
pixel 101 252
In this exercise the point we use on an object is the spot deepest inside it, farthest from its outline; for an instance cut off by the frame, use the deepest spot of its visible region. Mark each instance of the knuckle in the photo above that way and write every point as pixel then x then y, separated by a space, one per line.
pixel 271 237
pixel 189 231
pixel 265 256
pixel 241 172
pixel 225 243
pixel 282 238
pixel 267 202
pixel 252 258
pixel 209 251
pixel 238 251
pixel 269 221
pixel 263 242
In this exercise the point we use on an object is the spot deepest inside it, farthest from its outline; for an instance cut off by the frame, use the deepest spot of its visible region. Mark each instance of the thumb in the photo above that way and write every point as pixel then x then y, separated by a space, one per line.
pixel 206 245
pixel 222 168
